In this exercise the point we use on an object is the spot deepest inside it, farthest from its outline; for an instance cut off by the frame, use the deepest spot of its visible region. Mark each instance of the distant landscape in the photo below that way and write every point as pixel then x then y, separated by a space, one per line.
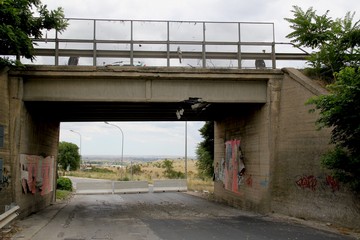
pixel 116 159
pixel 143 168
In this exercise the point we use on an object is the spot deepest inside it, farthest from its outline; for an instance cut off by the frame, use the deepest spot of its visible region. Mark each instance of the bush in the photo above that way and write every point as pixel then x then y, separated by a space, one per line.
pixel 100 170
pixel 64 184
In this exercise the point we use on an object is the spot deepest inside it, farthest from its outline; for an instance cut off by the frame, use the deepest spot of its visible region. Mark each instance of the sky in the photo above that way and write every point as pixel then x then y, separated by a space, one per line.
pixel 168 138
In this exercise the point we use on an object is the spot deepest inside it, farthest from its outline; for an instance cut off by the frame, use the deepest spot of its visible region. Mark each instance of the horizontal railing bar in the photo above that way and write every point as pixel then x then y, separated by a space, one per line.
pixel 172 54
pixel 166 21
pixel 171 42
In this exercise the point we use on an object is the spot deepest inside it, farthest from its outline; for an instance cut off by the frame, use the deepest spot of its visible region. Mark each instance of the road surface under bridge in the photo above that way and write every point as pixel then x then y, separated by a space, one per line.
pixel 156 216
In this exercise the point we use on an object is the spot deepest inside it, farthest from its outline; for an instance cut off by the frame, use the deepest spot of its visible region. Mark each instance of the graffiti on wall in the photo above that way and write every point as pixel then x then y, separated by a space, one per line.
pixel 319 183
pixel 231 169
pixel 37 174
pixel 4 176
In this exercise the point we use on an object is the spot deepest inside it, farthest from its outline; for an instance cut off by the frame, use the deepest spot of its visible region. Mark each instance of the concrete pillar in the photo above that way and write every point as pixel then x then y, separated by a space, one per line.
pixel 30 135
pixel 6 173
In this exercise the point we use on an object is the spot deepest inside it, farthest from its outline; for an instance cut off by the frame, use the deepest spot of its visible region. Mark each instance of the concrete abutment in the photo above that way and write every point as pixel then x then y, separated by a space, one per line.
pixel 28 153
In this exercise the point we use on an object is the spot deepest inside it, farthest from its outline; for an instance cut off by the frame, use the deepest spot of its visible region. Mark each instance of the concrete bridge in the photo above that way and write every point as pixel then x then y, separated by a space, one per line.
pixel 267 148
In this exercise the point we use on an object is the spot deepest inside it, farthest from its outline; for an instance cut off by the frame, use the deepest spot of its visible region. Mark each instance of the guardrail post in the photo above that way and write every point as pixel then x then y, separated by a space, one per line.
pixel 239 46
pixel 94 44
pixel 56 49
pixel 131 43
pixel 273 55
pixel 168 44
pixel 204 47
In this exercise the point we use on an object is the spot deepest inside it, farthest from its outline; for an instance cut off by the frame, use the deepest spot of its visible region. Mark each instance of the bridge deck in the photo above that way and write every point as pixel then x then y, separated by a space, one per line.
pixel 78 93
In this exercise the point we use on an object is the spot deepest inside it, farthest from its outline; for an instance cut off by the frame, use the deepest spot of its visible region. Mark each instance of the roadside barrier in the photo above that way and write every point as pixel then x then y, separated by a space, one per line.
pixel 170 185
pixel 118 187
pixel 94 188
pixel 8 216
pixel 131 187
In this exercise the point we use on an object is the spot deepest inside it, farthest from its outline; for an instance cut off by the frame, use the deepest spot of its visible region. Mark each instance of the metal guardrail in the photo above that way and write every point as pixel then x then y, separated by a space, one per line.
pixel 8 216
pixel 129 41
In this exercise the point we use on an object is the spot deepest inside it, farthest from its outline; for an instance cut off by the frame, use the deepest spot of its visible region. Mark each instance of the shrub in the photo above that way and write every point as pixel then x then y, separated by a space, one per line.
pixel 64 184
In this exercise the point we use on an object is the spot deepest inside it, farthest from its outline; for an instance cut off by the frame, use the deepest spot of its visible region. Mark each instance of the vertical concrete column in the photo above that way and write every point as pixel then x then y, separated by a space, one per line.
pixel 274 96
pixel 6 175
pixel 30 134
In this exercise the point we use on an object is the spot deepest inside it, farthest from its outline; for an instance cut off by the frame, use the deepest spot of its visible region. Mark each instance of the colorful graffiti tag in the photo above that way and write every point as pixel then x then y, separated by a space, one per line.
pixel 317 183
pixel 307 182
pixel 231 169
pixel 37 173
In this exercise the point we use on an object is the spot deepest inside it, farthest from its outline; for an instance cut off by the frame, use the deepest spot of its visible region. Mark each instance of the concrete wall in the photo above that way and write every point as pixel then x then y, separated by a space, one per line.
pixel 244 150
pixel 300 186
pixel 6 176
pixel 30 150
pixel 280 147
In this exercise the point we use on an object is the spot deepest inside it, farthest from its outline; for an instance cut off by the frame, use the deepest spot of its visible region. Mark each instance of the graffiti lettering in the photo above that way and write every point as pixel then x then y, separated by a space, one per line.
pixel 307 182
pixel 320 183
pixel 332 183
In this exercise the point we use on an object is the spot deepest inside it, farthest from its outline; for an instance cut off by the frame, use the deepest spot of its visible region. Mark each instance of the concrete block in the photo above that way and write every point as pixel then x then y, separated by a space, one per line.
pixel 131 187
pixel 94 188
pixel 170 185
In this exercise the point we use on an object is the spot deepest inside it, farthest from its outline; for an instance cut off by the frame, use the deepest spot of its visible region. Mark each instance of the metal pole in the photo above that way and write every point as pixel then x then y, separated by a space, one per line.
pixel 185 149
pixel 273 55
pixel 131 43
pixel 80 144
pixel 122 141
pixel 94 45
pixel 204 47
pixel 168 44
pixel 56 49
pixel 239 47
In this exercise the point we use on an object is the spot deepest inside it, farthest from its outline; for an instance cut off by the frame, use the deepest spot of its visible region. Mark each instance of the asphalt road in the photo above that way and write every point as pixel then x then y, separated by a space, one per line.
pixel 168 216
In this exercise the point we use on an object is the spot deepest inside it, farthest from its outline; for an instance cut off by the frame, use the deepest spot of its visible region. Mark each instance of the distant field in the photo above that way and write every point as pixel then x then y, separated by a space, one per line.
pixel 147 171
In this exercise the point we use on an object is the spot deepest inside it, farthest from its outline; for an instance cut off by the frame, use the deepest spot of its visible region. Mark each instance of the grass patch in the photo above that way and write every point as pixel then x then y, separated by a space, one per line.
pixel 62 195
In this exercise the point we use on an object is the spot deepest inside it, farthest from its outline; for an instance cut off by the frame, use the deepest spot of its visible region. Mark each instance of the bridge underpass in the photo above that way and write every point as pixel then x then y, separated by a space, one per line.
pixel 261 123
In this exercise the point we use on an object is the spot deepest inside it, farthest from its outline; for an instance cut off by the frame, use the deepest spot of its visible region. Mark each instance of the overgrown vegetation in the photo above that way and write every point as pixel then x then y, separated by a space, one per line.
pixel 19 23
pixel 64 183
pixel 169 170
pixel 205 151
pixel 340 110
pixel 337 57
pixel 335 43
pixel 63 194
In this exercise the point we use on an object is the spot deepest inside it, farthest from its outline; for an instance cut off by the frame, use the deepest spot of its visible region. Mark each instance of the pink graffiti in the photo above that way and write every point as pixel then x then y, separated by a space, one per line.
pixel 307 182
pixel 332 183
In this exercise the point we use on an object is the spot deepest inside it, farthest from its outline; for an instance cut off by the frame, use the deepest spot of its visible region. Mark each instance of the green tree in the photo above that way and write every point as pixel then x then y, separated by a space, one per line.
pixel 336 43
pixel 19 25
pixel 340 110
pixel 205 151
pixel 69 156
